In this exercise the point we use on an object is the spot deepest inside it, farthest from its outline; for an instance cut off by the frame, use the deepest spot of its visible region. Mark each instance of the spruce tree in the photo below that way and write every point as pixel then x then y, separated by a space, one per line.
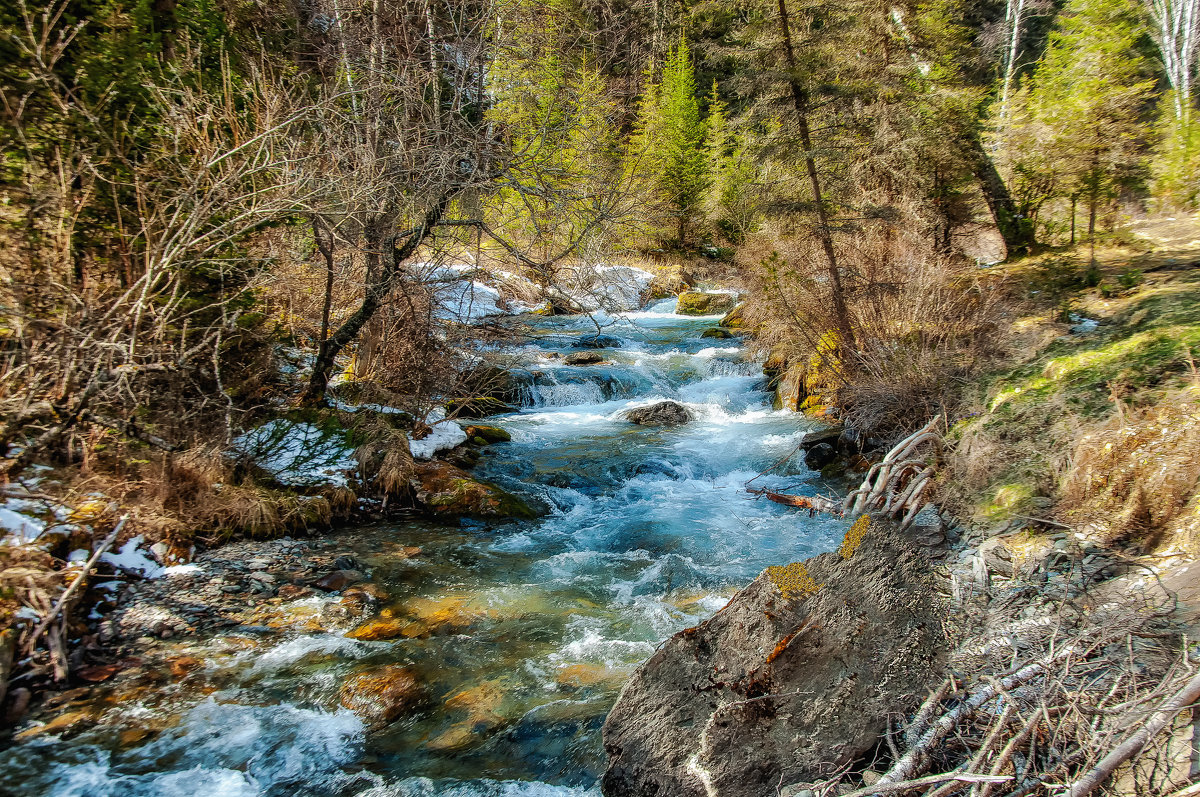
pixel 684 176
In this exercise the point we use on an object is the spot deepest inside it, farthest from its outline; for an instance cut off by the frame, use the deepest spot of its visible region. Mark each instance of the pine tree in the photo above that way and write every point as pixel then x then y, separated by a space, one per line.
pixel 684 177
pixel 666 151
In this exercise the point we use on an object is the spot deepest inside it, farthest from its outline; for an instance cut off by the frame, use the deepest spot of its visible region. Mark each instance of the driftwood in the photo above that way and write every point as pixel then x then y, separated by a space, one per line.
pixel 815 503
pixel 1134 744
pixel 896 485
pixel 908 765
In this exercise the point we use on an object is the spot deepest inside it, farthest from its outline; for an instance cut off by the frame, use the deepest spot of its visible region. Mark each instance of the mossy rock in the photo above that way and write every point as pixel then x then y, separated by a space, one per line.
pixel 735 318
pixel 697 303
pixel 718 333
pixel 489 434
pixel 449 492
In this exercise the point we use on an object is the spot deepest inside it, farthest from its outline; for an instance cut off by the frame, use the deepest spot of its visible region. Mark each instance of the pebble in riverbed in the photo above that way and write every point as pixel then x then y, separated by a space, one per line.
pixel 240 584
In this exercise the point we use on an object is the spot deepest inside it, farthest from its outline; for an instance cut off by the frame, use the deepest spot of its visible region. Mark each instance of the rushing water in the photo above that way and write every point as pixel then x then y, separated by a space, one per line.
pixel 540 623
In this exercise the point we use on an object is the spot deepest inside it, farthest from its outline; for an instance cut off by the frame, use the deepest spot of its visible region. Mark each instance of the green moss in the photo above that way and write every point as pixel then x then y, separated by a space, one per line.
pixel 1008 500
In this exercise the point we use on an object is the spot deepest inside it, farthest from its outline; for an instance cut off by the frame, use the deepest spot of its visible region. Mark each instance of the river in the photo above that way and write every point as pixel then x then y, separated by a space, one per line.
pixel 650 532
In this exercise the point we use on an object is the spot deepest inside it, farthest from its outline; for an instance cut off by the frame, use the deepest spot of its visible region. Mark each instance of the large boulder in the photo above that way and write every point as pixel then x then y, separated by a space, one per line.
pixel 664 413
pixel 669 281
pixel 502 385
pixel 697 303
pixel 783 685
pixel 449 492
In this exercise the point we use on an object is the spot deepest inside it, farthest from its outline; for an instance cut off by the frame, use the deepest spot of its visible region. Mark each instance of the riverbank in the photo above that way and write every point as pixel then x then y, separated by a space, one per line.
pixel 1072 466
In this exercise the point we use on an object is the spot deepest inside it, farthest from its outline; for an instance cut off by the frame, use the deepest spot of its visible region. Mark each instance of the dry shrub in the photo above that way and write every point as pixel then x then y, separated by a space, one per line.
pixel 1137 472
pixel 923 322
pixel 384 458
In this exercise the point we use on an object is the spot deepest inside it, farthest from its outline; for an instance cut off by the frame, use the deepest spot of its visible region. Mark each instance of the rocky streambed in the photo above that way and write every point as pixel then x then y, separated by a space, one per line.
pixel 479 655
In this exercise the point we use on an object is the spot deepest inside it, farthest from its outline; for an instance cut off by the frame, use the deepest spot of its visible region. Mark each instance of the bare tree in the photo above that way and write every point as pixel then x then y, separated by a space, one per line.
pixel 86 351
pixel 1177 34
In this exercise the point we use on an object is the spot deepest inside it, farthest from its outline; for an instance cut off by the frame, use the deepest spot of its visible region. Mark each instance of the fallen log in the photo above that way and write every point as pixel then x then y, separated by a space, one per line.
pixel 815 503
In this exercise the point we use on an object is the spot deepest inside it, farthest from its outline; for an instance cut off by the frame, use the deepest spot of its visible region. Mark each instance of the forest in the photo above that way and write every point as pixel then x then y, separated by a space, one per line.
pixel 277 279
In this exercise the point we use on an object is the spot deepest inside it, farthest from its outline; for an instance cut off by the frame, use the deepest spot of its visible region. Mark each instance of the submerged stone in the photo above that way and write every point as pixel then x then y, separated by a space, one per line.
pixel 380 696
pixel 597 342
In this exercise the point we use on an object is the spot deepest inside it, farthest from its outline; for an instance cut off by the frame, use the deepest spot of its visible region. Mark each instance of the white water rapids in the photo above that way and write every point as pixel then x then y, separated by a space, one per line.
pixel 649 532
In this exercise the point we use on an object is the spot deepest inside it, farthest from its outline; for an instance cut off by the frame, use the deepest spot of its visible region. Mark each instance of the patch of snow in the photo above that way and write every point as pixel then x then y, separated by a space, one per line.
pixel 468 301
pixel 78 555
pixel 338 404
pixel 22 527
pixel 297 454
pixel 181 570
pixel 25 613
pixel 445 434
pixel 614 289
pixel 132 560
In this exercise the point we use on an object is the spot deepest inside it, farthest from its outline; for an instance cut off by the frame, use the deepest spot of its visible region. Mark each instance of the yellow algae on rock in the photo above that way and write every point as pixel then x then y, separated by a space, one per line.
pixel 793 580
pixel 854 536
pixel 378 629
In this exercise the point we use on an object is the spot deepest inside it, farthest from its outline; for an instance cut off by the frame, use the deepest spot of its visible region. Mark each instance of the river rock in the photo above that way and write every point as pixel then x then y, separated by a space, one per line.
pixel 491 381
pixel 447 491
pixel 596 342
pixel 380 696
pixel 489 434
pixel 735 318
pixel 718 333
pixel 583 358
pixel 697 303
pixel 664 413
pixel 338 580
pixel 776 689
pixel 670 281
pixel 818 456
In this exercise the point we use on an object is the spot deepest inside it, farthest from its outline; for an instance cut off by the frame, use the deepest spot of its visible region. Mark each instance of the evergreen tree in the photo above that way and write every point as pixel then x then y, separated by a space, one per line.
pixel 666 153
pixel 684 171
pixel 1089 98
pixel 730 172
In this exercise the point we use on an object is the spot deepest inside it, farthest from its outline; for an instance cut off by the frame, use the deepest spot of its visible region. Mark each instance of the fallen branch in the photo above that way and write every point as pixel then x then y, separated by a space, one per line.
pixel 66 596
pixel 1134 744
pixel 928 780
pixel 909 764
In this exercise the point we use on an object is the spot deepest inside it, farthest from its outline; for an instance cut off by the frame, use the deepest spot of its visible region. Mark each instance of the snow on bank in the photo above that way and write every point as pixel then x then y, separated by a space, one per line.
pixel 132 559
pixel 297 454
pixel 22 528
pixel 445 435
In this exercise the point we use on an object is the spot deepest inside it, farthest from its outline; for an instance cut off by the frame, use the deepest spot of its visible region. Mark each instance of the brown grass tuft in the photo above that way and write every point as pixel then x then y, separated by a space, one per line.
pixel 1137 472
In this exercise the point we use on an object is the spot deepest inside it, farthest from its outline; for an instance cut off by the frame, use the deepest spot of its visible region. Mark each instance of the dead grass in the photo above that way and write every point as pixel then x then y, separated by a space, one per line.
pixel 1138 471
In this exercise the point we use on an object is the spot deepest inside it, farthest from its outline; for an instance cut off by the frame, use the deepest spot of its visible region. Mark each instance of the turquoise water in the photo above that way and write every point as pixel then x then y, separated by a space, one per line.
pixel 529 629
